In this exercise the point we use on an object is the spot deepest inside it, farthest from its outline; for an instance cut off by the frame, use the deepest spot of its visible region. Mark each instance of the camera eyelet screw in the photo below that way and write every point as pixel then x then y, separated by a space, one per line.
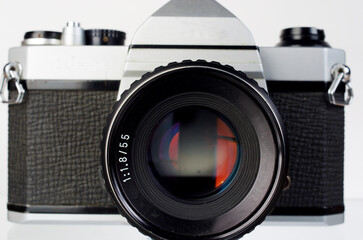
pixel 340 73
pixel 12 72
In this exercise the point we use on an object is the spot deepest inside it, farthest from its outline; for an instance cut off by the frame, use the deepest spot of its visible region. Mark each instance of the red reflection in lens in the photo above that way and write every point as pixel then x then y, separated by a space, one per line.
pixel 226 152
pixel 174 150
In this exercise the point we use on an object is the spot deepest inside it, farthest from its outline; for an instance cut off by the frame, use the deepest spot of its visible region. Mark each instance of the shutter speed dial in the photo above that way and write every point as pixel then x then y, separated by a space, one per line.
pixel 105 37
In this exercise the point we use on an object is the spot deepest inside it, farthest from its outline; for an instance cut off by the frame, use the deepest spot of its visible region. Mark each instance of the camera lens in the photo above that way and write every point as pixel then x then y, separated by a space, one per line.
pixel 194 150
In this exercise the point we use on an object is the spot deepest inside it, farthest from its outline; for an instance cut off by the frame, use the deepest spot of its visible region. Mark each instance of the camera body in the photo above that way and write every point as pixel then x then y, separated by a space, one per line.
pixel 69 91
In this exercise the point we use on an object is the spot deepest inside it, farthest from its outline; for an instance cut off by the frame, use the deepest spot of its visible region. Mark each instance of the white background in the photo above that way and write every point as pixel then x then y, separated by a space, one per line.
pixel 341 20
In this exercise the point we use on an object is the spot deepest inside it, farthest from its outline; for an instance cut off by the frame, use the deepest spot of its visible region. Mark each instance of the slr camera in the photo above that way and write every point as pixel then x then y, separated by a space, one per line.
pixel 210 134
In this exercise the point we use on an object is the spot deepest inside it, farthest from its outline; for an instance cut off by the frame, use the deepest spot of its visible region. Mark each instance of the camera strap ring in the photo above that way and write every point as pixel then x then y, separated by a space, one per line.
pixel 12 72
pixel 340 73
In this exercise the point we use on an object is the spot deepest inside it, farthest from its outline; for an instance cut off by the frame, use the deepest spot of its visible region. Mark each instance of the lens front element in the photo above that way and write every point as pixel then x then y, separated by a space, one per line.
pixel 193 152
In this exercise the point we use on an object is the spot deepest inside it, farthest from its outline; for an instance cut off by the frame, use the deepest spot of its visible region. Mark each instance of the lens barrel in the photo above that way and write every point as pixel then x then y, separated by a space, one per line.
pixel 191 145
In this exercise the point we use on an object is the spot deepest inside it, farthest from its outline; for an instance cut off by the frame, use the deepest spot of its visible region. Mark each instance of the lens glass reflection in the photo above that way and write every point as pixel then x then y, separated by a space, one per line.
pixel 193 152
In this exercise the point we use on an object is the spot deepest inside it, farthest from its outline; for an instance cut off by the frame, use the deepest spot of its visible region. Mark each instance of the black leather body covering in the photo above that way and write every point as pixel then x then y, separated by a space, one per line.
pixel 54 148
pixel 315 131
